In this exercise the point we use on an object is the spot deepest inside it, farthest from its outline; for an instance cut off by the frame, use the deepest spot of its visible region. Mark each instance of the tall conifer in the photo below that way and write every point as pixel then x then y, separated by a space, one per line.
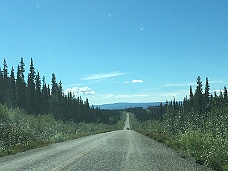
pixel 198 97
pixel 38 96
pixel 12 89
pixel 21 87
pixel 31 89
pixel 207 96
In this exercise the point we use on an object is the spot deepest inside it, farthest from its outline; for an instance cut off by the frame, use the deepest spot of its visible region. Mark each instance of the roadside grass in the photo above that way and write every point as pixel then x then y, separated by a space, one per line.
pixel 206 149
pixel 20 132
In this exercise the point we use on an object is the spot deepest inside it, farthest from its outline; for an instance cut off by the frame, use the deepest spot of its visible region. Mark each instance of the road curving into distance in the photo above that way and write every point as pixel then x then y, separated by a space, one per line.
pixel 122 150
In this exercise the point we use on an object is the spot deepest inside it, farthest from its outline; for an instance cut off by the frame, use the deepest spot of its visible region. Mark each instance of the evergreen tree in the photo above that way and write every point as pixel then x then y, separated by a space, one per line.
pixel 87 114
pixel 54 84
pixel 60 100
pixel 45 98
pixel 6 85
pixel 1 88
pixel 38 95
pixel 12 89
pixel 55 101
pixel 198 97
pixel 5 71
pixel 225 96
pixel 30 96
pixel 207 96
pixel 21 86
pixel 31 89
pixel 191 97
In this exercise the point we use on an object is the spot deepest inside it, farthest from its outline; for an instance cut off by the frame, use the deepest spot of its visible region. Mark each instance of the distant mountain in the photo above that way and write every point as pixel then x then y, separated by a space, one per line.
pixel 127 105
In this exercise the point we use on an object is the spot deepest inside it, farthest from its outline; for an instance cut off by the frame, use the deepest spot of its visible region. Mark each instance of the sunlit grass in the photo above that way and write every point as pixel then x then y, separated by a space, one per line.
pixel 20 132
pixel 209 146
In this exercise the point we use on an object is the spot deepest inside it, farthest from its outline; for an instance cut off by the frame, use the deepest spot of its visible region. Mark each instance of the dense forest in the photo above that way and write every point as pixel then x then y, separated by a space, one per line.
pixel 198 124
pixel 39 98
pixel 34 114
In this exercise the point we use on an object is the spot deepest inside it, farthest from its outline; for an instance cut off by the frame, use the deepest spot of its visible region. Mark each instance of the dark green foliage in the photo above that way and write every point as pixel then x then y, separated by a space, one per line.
pixel 1 88
pixel 21 88
pixel 38 94
pixel 6 83
pixel 45 98
pixel 20 132
pixel 198 125
pixel 37 99
pixel 198 97
pixel 30 106
pixel 141 114
pixel 53 116
pixel 12 89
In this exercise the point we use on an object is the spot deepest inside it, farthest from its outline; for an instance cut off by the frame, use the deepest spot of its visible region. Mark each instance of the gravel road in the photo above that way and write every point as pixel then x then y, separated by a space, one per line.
pixel 123 150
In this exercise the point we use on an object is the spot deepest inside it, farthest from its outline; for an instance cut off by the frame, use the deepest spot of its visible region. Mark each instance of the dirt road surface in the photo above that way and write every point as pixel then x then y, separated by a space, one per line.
pixel 122 150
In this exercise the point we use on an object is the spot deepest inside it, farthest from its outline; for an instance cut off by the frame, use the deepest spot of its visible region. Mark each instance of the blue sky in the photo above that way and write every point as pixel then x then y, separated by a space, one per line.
pixel 119 50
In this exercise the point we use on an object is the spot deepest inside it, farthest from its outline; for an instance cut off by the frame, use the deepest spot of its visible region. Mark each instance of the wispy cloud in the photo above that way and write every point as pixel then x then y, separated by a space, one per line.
pixel 169 84
pixel 125 95
pixel 167 94
pixel 216 81
pixel 137 81
pixel 77 91
pixel 102 76
pixel 178 84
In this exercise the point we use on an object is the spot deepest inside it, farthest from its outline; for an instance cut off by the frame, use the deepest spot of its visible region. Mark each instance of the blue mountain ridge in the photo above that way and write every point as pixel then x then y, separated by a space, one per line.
pixel 124 105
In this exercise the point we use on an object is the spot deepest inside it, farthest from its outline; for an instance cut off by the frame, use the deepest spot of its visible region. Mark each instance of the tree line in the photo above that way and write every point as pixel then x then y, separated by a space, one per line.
pixel 200 110
pixel 37 97
pixel 197 125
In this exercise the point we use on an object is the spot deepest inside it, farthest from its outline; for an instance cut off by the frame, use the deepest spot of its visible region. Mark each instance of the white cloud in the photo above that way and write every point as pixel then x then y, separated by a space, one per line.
pixel 125 95
pixel 216 81
pixel 187 84
pixel 102 76
pixel 77 91
pixel 126 82
pixel 137 81
pixel 168 84
pixel 168 94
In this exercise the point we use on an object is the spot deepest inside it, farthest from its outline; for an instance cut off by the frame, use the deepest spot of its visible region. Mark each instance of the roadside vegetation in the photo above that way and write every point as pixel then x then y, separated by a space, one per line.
pixel 34 113
pixel 198 125
pixel 20 131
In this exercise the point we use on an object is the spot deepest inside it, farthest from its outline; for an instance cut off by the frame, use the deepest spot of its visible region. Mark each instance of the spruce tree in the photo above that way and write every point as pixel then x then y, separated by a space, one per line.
pixel 6 83
pixel 31 89
pixel 38 95
pixel 45 94
pixel 1 88
pixel 198 97
pixel 55 103
pixel 12 89
pixel 44 98
pixel 207 96
pixel 191 98
pixel 54 84
pixel 21 87
pixel 225 103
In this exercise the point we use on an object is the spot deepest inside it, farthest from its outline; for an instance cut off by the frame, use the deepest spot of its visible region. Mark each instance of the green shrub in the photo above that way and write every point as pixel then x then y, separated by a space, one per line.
pixel 206 149
pixel 20 132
